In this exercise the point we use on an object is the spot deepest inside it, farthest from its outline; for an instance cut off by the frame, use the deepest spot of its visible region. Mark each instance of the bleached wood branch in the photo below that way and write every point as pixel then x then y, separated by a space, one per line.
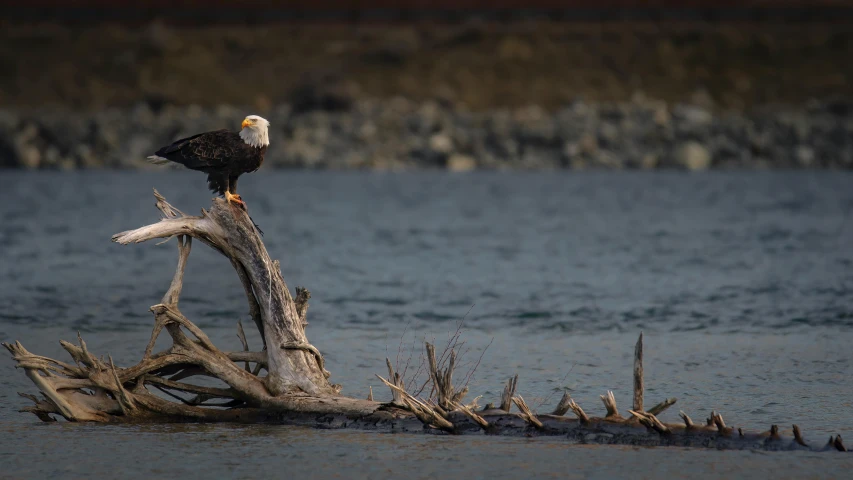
pixel 296 389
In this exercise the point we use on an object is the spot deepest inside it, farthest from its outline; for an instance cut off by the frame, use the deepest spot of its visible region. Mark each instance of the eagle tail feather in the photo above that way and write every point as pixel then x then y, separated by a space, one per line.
pixel 158 160
pixel 216 184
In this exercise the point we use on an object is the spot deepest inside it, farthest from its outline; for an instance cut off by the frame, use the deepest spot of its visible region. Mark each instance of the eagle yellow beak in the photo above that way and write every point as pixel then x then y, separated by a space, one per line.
pixel 246 123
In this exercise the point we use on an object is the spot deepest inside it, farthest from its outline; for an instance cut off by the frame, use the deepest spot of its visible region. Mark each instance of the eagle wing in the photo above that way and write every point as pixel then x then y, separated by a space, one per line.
pixel 207 152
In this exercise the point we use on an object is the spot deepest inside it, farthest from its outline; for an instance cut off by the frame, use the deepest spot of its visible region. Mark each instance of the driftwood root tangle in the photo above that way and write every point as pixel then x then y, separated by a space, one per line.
pixel 296 390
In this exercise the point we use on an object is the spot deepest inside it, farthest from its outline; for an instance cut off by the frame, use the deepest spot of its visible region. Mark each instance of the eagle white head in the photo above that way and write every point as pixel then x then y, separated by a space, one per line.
pixel 255 131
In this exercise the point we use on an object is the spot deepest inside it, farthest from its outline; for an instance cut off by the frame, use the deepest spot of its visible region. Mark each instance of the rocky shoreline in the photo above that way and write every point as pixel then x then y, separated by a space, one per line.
pixel 398 134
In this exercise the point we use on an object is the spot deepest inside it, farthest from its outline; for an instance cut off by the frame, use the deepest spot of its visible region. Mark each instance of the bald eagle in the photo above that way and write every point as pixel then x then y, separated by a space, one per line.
pixel 222 154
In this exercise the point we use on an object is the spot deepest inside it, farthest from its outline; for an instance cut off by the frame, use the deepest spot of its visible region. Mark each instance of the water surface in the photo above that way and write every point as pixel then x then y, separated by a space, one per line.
pixel 742 283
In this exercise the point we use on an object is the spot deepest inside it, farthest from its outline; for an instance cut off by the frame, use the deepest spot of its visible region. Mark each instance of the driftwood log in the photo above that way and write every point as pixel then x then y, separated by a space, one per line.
pixel 286 382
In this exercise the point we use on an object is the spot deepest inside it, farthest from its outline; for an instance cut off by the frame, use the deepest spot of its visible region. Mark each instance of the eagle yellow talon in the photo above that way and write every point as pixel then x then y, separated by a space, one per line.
pixel 233 198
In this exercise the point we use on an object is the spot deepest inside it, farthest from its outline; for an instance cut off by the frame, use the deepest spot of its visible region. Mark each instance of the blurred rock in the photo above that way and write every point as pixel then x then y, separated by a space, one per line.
pixel 29 157
pixel 608 133
pixel 461 163
pixel 649 161
pixel 693 156
pixel 588 144
pixel 805 156
pixel 441 144
pixel 404 134
pixel 661 115
pixel 692 114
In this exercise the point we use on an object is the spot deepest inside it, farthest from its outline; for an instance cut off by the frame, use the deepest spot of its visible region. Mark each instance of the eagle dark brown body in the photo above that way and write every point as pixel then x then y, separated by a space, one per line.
pixel 222 155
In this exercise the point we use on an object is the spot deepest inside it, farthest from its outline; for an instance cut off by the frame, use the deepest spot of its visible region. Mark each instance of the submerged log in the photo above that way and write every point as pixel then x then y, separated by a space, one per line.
pixel 296 389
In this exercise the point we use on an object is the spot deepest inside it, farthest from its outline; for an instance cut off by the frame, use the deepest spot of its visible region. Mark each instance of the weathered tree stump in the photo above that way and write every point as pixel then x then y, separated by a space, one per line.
pixel 296 387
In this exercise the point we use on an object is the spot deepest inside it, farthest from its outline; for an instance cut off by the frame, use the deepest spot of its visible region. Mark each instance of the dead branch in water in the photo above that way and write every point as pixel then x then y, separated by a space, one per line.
pixel 296 389
pixel 638 375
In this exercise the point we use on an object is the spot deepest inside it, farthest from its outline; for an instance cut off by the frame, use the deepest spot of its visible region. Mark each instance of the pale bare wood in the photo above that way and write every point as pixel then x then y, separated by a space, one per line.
pixel 434 374
pixel 435 406
pixel 99 391
pixel 125 401
pixel 302 296
pixel 57 401
pixel 526 413
pixel 173 294
pixel 427 414
pixel 774 431
pixel 638 375
pixel 473 416
pixel 26 359
pixel 151 408
pixel 253 357
pixel 651 421
pixel 254 308
pixel 718 420
pixel 473 403
pixel 292 365
pixel 720 424
pixel 563 406
pixel 798 436
pixel 189 357
pixel 397 381
pixel 688 422
pixel 582 416
pixel 442 379
pixel 609 401
pixel 662 406
pixel 509 392
pixel 187 352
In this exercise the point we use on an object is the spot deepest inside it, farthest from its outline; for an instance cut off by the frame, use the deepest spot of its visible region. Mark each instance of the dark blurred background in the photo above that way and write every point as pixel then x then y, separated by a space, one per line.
pixel 467 84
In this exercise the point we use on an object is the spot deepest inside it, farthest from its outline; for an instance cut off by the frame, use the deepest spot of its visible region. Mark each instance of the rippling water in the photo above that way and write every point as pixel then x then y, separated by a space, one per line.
pixel 741 281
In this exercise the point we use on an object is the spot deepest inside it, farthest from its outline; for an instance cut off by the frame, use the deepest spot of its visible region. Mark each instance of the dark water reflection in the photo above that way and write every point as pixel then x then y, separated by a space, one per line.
pixel 742 282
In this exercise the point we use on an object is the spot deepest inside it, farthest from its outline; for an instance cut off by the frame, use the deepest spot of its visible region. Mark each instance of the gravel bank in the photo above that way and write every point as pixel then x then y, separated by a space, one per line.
pixel 401 134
